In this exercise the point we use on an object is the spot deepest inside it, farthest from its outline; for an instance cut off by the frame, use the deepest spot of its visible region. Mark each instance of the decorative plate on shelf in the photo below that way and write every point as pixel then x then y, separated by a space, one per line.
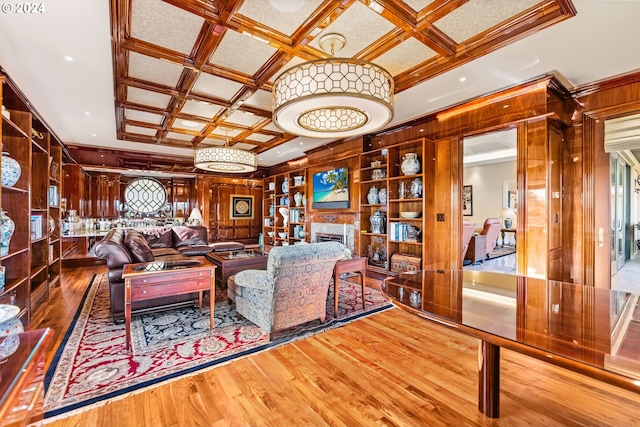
pixel 8 312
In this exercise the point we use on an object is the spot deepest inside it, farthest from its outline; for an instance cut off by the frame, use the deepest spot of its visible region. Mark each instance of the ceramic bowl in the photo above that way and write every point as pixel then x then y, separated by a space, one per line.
pixel 409 214
pixel 282 235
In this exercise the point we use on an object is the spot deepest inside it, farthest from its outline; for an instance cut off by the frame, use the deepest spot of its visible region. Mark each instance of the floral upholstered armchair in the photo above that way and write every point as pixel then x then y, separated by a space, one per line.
pixel 292 290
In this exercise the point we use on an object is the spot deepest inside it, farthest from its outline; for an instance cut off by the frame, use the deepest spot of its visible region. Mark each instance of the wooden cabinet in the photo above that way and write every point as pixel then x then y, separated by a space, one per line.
pixel 386 190
pixel 32 261
pixel 279 197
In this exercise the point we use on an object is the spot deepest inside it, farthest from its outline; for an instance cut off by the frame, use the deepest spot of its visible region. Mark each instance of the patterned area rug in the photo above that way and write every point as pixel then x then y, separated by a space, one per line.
pixel 92 363
pixel 500 251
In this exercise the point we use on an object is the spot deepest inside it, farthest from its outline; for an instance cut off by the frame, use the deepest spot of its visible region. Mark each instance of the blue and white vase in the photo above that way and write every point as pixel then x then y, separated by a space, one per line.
pixel 7 227
pixel 10 170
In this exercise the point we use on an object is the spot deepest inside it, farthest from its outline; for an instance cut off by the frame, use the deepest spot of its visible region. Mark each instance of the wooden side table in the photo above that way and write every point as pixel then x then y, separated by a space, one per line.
pixel 160 279
pixel 477 251
pixel 354 265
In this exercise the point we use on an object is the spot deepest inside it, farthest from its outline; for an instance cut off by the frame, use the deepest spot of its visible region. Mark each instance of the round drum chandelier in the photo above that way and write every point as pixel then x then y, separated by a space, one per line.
pixel 225 159
pixel 333 97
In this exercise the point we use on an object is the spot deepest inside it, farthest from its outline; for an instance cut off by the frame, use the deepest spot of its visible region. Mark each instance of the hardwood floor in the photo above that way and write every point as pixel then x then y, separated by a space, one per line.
pixel 389 369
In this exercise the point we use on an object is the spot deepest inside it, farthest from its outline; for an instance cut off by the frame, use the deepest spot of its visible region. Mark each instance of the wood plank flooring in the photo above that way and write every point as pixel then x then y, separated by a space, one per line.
pixel 390 369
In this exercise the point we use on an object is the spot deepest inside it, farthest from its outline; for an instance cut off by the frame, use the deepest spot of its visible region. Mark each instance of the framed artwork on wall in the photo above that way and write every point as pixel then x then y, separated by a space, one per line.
pixel 513 200
pixel 467 200
pixel 241 206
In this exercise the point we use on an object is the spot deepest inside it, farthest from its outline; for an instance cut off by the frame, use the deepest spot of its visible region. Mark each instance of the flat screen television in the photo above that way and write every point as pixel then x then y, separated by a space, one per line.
pixel 331 189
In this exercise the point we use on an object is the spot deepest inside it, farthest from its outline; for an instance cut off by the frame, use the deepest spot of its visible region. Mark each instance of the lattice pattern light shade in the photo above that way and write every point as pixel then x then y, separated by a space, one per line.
pixel 334 97
pixel 225 159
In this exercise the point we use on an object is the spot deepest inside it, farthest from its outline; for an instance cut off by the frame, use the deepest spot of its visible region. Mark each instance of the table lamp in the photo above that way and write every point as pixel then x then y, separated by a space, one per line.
pixel 508 214
pixel 196 217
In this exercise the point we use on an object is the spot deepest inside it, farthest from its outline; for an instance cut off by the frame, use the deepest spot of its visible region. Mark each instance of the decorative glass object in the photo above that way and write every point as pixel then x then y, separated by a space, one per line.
pixel 402 190
pixel 7 227
pixel 410 164
pixel 10 170
pixel 372 196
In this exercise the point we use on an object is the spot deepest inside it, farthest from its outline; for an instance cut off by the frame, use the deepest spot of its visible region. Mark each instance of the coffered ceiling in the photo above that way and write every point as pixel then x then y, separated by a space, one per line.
pixel 157 78
pixel 191 73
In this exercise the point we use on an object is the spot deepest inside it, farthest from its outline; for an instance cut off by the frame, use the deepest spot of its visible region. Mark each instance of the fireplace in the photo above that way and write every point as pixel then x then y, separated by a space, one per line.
pixel 332 232
pixel 327 237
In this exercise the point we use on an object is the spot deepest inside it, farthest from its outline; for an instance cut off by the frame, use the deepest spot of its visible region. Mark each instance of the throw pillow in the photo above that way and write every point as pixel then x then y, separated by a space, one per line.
pixel 162 239
pixel 182 233
pixel 194 241
pixel 137 245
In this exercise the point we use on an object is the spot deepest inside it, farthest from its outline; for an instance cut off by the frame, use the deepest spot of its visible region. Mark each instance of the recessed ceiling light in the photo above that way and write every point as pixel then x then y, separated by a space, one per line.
pixel 189 123
pixel 68 58
pixel 462 79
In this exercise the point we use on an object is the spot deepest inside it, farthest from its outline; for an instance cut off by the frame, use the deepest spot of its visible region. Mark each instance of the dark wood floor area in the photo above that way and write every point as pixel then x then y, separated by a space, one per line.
pixel 390 369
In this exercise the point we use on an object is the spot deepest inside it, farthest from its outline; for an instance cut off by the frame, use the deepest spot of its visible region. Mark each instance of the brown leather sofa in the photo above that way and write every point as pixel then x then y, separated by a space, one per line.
pixel 127 246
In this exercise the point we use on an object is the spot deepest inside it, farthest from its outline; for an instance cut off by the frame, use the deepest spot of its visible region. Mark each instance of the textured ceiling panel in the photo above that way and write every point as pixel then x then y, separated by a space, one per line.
pixel 146 97
pixel 360 25
pixel 179 136
pixel 418 5
pixel 260 99
pixel 477 16
pixel 216 87
pixel 154 70
pixel 407 54
pixel 241 52
pixel 143 116
pixel 202 109
pixel 140 130
pixel 160 23
pixel 286 22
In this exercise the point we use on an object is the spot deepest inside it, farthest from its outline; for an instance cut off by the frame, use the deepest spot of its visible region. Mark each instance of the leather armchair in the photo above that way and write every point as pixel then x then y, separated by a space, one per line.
pixel 292 290
pixel 467 232
pixel 491 230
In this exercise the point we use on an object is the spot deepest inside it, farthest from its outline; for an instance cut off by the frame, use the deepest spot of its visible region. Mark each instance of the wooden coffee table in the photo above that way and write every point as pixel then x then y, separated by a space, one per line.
pixel 230 263
pixel 159 279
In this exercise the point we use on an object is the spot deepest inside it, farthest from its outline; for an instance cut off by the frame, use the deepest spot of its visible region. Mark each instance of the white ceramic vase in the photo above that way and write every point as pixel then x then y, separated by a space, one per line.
pixel 410 164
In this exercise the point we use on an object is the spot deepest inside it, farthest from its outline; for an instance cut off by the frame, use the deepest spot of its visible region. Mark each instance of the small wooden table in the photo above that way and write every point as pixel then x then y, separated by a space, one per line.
pixel 158 279
pixel 354 265
pixel 232 262
pixel 508 230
